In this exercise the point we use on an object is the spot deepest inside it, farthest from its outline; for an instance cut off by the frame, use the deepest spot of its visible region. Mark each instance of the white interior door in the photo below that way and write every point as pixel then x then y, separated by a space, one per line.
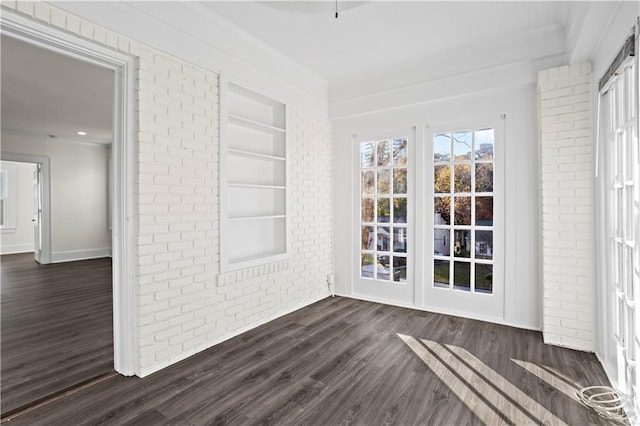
pixel 37 212
pixel 463 217
pixel 383 219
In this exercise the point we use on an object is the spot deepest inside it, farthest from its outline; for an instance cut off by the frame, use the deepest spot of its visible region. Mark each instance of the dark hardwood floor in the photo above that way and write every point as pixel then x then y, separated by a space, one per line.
pixel 343 361
pixel 57 328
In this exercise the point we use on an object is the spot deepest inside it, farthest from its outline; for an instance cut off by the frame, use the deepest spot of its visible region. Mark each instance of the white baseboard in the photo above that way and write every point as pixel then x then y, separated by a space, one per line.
pixel 16 248
pixel 438 311
pixel 73 255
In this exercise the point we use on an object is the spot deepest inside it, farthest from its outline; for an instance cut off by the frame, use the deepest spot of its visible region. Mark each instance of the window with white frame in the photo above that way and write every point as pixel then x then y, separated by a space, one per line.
pixel 383 209
pixel 619 138
pixel 463 164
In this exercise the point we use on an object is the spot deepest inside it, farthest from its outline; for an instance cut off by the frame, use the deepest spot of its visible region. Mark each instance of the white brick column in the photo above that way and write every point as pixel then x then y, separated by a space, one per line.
pixel 566 183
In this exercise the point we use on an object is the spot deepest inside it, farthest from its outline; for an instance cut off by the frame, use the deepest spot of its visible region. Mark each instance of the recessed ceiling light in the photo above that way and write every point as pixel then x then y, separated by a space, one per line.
pixel 81 133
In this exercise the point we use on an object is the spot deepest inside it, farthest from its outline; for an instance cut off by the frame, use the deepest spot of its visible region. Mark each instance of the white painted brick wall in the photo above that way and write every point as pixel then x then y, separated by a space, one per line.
pixel 182 307
pixel 178 197
pixel 566 179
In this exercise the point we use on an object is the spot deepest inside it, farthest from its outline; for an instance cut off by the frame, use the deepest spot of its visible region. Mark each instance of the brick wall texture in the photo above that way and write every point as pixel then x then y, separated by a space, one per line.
pixel 564 101
pixel 182 306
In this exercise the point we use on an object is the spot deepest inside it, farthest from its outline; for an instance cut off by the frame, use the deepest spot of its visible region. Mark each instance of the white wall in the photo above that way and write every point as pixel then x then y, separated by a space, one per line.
pixel 523 292
pixel 20 237
pixel 483 81
pixel 79 194
pixel 510 61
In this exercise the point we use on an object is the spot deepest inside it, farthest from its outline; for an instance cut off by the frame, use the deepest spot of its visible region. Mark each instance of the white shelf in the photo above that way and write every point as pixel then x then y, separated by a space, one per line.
pixel 256 185
pixel 271 255
pixel 252 154
pixel 256 125
pixel 265 217
pixel 253 211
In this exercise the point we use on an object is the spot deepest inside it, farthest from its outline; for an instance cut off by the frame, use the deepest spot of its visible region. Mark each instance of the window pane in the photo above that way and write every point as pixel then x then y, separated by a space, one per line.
pixel 400 181
pixel 383 210
pixel 462 146
pixel 462 243
pixel 462 178
pixel 484 278
pixel 384 181
pixel 441 242
pixel 382 268
pixel 366 154
pixel 442 147
pixel 462 210
pixel 630 212
pixel 383 238
pixel 484 211
pixel 367 238
pixel 462 276
pixel 400 240
pixel 440 273
pixel 367 210
pixel 400 210
pixel 441 179
pixel 384 173
pixel 484 177
pixel 442 210
pixel 368 184
pixel 384 153
pixel 400 152
pixel 484 244
pixel 367 268
pixel 455 186
pixel 484 144
pixel 400 269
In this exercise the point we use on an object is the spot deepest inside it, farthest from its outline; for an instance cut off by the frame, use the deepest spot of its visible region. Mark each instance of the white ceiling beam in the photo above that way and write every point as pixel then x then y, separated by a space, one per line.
pixel 587 25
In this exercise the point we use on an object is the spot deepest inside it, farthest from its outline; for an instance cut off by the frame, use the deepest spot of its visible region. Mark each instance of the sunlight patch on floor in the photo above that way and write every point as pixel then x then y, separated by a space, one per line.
pixel 549 377
pixel 492 398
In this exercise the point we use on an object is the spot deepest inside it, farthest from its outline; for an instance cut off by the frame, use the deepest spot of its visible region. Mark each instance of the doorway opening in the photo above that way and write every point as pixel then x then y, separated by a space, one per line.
pixel 57 322
pixel 50 284
pixel 20 207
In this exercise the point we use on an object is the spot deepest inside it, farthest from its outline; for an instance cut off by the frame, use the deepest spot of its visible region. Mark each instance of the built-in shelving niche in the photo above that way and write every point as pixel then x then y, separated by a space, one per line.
pixel 253 178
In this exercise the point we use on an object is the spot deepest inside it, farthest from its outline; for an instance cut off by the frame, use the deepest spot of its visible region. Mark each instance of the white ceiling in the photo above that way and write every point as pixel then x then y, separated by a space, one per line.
pixel 45 93
pixel 380 35
pixel 50 94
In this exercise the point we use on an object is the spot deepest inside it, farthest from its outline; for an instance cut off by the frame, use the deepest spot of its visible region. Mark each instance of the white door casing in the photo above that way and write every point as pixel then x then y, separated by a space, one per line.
pixel 37 212
pixel 124 290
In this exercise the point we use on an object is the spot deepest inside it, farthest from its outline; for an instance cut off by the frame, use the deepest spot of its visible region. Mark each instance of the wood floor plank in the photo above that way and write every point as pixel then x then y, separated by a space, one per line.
pixel 340 361
pixel 56 328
